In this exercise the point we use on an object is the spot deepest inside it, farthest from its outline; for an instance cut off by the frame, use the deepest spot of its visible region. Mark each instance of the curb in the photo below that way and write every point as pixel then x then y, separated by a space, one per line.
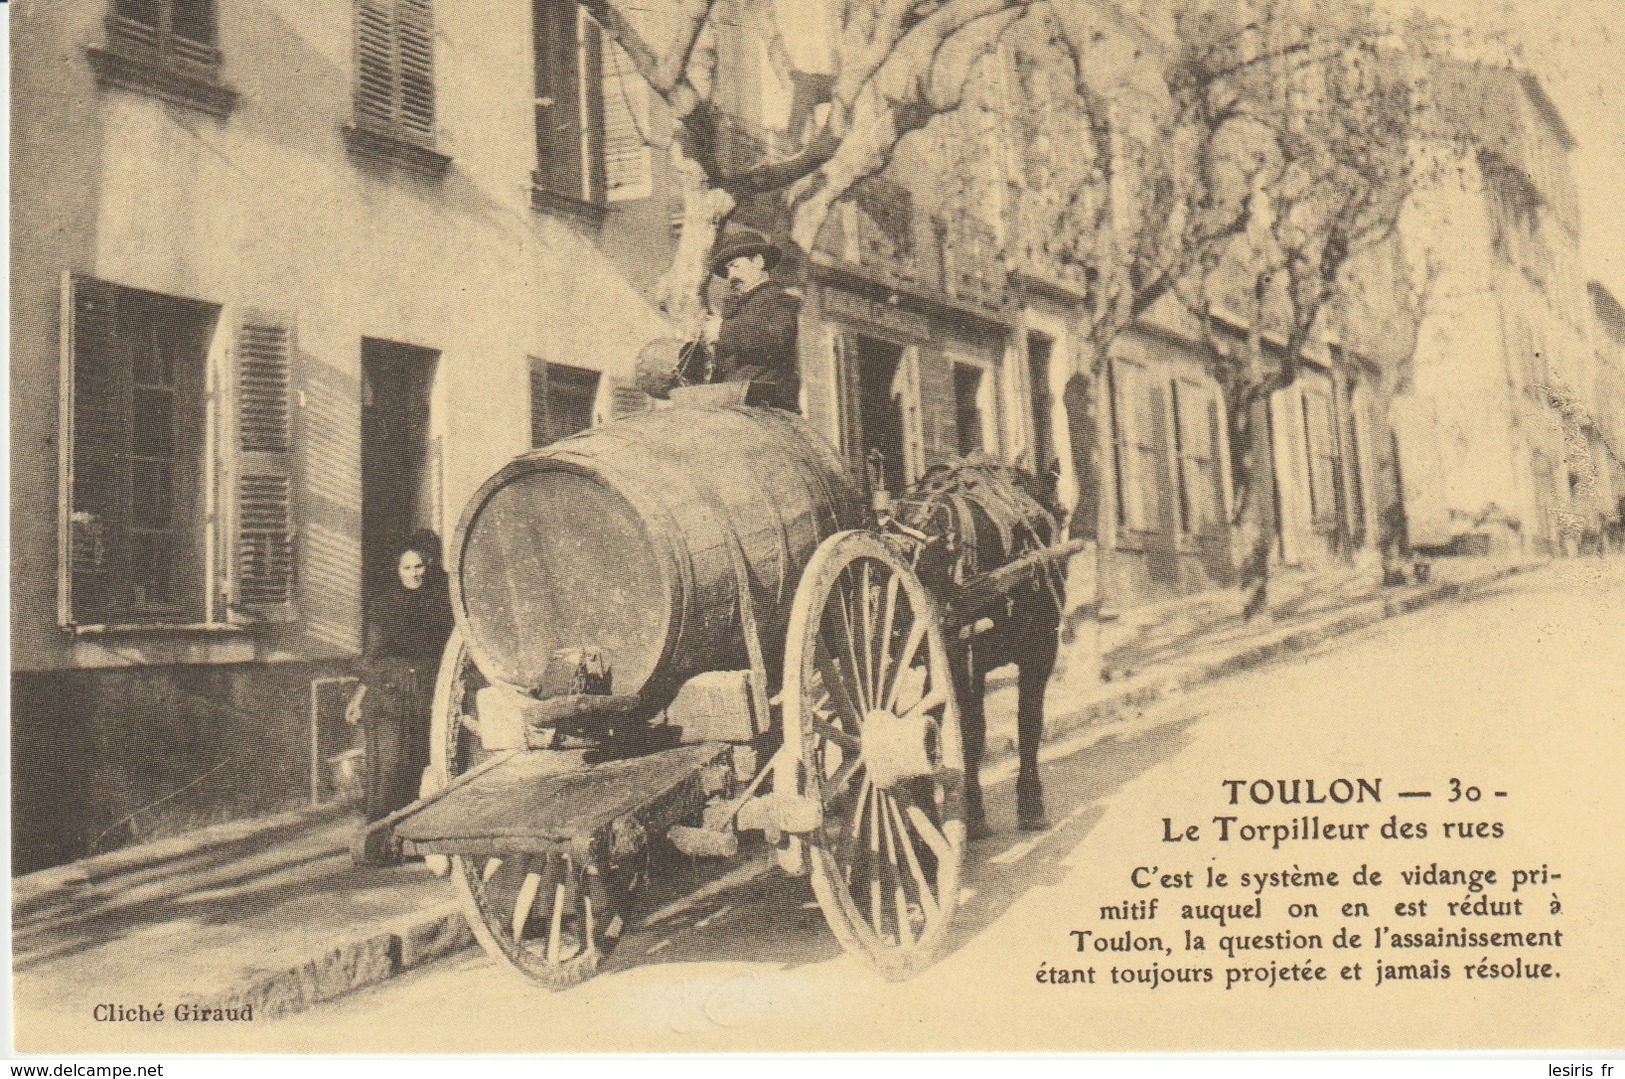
pixel 415 940
pixel 1144 690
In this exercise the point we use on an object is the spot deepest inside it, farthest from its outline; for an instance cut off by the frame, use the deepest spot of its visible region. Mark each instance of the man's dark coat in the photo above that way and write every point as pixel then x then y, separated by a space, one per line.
pixel 758 344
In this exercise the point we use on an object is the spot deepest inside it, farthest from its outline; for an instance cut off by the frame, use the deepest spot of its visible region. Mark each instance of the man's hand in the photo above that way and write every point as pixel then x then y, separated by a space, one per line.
pixel 712 329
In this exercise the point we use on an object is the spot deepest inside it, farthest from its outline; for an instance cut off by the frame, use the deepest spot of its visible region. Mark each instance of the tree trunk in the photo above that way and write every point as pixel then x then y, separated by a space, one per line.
pixel 706 209
pixel 1253 481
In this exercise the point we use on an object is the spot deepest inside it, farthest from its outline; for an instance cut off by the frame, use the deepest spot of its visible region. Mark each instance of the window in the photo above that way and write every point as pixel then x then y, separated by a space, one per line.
pixel 170 29
pixel 167 48
pixel 561 401
pixel 1039 349
pixel 569 103
pixel 138 484
pixel 394 83
pixel 975 410
pixel 592 114
pixel 1135 452
pixel 1196 452
pixel 1325 464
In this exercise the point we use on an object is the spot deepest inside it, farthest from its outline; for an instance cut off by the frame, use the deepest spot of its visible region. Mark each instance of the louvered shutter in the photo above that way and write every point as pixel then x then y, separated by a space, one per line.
pixel 394 63
pixel 628 400
pixel 1215 490
pixel 375 65
pixel 1154 442
pixel 626 156
pixel 94 461
pixel 261 567
pixel 414 44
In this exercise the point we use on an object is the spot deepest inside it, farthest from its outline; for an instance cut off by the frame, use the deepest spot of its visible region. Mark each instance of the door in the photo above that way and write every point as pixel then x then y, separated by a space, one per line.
pixel 400 458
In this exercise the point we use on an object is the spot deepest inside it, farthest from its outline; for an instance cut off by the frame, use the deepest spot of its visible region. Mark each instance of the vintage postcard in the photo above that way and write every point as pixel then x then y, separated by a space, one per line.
pixel 1082 526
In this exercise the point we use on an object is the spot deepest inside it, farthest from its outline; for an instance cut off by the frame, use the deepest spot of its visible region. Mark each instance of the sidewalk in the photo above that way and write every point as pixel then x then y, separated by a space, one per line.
pixel 271 913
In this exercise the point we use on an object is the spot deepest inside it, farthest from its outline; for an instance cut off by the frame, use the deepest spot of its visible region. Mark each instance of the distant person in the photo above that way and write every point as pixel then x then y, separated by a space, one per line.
pixel 408 623
pixel 755 339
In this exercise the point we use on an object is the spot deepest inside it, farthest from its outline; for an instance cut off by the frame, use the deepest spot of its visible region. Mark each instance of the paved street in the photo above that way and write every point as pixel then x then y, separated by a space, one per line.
pixel 1517 690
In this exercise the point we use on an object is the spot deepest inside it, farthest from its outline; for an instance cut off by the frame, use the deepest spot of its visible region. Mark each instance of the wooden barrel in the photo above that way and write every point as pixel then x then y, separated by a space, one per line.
pixel 621 539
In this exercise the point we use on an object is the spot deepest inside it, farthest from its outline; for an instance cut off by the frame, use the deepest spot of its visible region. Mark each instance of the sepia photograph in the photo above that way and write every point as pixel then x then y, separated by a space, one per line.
pixel 809 526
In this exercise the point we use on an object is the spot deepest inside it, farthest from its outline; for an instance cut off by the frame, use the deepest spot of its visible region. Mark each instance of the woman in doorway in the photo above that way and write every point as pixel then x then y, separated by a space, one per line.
pixel 407 626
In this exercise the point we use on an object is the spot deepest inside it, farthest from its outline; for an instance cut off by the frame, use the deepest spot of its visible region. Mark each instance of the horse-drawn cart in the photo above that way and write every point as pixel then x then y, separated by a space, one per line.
pixel 679 627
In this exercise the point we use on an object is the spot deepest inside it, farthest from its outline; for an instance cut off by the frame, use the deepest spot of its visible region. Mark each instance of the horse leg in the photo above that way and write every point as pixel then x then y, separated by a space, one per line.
pixel 1036 665
pixel 970 685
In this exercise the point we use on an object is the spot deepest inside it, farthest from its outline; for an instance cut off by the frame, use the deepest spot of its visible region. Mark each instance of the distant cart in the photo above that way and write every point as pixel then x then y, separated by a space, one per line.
pixel 678 627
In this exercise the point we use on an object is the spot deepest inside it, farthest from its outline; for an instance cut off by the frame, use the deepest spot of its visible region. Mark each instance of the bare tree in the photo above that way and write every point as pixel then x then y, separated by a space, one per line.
pixel 1328 123
pixel 894 65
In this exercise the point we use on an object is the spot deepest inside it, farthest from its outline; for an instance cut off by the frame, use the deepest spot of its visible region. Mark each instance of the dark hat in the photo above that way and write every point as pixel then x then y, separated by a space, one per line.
pixel 743 244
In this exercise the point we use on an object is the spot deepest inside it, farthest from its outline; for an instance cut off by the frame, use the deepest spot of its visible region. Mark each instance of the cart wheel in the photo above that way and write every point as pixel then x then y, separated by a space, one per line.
pixel 869 704
pixel 542 916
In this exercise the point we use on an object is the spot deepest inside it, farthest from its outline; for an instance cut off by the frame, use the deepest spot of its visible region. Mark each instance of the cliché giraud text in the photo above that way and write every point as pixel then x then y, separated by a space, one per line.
pixel 1449 906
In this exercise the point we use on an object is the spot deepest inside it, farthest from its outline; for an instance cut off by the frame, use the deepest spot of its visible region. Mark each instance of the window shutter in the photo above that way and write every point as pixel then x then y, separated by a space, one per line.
pixel 375 65
pixel 592 85
pixel 93 460
pixel 558 97
pixel 414 40
pixel 260 456
pixel 627 163
pixel 540 420
pixel 1215 490
pixel 628 401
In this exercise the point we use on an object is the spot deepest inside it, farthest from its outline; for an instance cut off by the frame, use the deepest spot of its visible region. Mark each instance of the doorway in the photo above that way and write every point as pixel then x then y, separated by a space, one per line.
pixel 400 457
pixel 881 410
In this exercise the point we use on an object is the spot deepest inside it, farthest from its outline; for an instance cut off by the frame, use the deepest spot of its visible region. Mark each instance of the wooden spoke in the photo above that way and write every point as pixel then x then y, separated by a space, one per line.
pixel 847 742
pixel 835 683
pixel 876 910
pixel 867 613
pixel 905 661
pixel 935 699
pixel 843 775
pixel 852 652
pixel 905 932
pixel 888 883
pixel 927 900
pixel 523 902
pixel 893 585
pixel 929 832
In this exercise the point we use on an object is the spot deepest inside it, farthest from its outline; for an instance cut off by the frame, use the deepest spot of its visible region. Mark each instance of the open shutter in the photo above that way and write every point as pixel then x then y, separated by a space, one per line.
pixel 592 130
pixel 1215 478
pixel 619 399
pixel 261 568
pixel 541 425
pixel 414 43
pixel 626 157
pixel 906 390
pixel 558 97
pixel 93 461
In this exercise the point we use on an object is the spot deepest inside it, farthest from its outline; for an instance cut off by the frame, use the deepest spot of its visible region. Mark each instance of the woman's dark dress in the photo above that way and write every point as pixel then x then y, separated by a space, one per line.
pixel 406 632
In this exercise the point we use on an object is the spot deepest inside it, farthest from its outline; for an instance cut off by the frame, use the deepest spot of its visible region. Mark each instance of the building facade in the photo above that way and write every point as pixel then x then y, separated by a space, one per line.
pixel 1494 443
pixel 287 283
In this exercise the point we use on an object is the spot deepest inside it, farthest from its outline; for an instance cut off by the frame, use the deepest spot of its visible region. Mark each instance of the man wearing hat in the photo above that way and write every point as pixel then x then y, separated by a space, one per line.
pixel 756 341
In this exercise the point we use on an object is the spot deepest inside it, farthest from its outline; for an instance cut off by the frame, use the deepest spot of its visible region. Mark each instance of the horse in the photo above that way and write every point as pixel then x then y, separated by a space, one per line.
pixel 976 517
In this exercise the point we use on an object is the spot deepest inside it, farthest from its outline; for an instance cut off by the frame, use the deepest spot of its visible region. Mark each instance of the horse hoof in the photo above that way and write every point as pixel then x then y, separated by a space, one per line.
pixel 1039 823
